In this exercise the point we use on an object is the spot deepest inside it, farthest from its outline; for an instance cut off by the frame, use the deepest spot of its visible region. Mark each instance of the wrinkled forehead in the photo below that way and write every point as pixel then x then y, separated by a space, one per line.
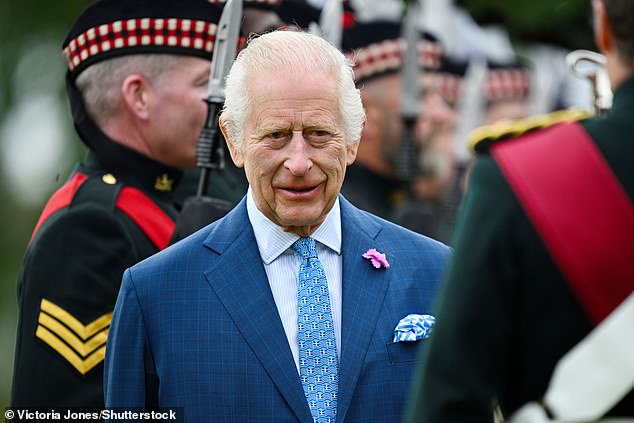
pixel 296 116
pixel 292 87
pixel 309 100
pixel 292 82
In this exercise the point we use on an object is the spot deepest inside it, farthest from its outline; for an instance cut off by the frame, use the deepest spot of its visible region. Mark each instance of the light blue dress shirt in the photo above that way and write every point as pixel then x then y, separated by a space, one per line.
pixel 281 265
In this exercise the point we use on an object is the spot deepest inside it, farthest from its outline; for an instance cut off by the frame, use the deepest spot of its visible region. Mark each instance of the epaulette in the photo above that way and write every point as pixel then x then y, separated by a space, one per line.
pixel 481 139
pixel 157 225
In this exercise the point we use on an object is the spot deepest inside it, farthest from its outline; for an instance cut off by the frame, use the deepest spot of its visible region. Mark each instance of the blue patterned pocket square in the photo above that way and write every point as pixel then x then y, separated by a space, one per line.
pixel 414 327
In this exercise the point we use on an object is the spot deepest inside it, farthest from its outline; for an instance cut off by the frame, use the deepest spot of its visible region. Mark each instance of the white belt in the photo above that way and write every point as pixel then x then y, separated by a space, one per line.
pixel 534 413
pixel 593 376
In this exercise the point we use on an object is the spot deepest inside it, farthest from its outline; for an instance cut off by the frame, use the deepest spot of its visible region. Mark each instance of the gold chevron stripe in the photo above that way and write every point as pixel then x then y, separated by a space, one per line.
pixel 82 366
pixel 65 317
pixel 83 348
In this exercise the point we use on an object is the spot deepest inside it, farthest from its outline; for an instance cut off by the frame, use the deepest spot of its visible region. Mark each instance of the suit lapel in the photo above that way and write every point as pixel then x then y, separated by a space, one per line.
pixel 239 280
pixel 364 289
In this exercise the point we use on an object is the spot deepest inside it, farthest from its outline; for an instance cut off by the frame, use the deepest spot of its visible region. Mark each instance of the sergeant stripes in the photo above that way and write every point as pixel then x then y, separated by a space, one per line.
pixel 83 346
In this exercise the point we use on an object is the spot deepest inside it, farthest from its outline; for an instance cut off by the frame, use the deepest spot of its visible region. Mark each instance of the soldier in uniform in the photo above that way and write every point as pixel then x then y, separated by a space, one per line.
pixel 138 72
pixel 510 309
pixel 437 193
pixel 378 51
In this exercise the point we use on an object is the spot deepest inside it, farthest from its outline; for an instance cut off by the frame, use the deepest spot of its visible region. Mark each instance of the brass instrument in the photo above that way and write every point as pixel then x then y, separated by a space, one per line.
pixel 591 66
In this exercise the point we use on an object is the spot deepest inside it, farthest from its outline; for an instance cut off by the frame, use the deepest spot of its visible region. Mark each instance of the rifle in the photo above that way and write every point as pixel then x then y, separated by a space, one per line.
pixel 408 155
pixel 330 22
pixel 470 106
pixel 200 210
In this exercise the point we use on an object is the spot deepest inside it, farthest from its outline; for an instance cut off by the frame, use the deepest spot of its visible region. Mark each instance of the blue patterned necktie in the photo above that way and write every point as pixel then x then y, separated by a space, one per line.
pixel 318 364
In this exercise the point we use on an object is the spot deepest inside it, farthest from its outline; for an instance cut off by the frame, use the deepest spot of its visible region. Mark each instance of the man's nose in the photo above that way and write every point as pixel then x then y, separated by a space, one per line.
pixel 436 110
pixel 298 161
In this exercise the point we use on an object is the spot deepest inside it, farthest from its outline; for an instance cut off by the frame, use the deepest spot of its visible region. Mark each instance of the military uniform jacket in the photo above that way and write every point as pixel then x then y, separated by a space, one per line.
pixel 103 220
pixel 372 192
pixel 506 315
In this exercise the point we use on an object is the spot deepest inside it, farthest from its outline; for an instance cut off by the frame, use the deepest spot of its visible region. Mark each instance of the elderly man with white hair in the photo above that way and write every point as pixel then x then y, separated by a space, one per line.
pixel 296 306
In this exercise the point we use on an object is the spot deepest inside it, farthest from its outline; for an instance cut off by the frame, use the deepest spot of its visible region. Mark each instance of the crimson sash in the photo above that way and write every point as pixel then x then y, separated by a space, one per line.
pixel 579 209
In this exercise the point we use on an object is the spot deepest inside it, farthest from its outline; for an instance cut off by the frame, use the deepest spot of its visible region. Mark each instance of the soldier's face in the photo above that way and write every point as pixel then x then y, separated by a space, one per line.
pixel 434 125
pixel 294 152
pixel 435 134
pixel 177 111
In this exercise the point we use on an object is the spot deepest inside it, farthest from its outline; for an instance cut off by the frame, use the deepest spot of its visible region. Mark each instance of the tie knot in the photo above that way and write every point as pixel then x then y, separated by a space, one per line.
pixel 306 248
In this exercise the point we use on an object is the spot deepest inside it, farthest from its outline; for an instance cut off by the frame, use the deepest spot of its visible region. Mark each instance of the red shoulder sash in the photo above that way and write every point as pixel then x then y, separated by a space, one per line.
pixel 578 208
pixel 154 222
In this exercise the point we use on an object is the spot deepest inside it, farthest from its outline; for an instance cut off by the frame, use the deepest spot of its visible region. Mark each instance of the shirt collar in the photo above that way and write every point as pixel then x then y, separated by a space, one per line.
pixel 273 241
pixel 135 169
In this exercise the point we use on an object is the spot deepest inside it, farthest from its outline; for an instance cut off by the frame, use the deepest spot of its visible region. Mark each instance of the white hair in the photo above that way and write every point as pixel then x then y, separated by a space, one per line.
pixel 279 51
pixel 100 84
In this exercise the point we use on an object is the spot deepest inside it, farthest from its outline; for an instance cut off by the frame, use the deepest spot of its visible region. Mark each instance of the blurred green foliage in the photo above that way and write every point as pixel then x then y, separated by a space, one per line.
pixel 22 21
pixel 23 24
pixel 566 23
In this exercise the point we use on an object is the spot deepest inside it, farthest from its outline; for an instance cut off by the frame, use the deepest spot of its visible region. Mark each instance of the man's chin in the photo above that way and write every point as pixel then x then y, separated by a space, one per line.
pixel 301 220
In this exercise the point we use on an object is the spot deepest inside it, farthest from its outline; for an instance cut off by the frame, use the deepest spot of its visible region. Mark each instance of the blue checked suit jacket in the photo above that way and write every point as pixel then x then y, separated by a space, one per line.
pixel 196 326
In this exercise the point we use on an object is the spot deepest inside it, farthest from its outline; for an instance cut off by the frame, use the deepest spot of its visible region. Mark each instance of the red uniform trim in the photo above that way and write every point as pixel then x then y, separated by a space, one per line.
pixel 60 199
pixel 388 55
pixel 579 209
pixel 506 84
pixel 154 222
pixel 139 32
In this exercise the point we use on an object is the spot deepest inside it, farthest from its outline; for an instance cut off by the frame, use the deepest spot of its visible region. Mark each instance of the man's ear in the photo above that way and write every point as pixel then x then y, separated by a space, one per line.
pixel 235 152
pixel 135 92
pixel 603 35
pixel 371 128
pixel 351 152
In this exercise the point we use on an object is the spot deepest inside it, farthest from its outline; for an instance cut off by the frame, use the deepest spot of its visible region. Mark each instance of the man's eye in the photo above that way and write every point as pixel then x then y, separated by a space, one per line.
pixel 317 134
pixel 277 139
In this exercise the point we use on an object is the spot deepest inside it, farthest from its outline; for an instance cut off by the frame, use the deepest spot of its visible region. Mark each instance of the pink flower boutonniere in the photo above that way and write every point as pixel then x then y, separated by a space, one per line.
pixel 378 259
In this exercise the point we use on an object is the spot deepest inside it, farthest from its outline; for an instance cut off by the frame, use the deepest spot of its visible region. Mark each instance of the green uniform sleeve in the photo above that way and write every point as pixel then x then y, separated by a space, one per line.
pixel 466 361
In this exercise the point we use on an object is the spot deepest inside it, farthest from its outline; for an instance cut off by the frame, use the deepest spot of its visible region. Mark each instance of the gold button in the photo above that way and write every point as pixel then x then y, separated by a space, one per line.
pixel 109 179
pixel 164 183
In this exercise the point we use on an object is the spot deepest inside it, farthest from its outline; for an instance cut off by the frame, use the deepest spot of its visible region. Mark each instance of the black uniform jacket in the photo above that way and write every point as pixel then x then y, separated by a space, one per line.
pixel 506 315
pixel 372 192
pixel 106 218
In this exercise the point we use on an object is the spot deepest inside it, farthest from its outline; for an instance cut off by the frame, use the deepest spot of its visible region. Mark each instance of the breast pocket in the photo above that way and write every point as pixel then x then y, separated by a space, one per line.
pixel 405 352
